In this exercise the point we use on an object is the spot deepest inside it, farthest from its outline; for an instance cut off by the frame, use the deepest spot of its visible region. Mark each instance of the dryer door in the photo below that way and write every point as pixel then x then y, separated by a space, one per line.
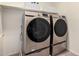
pixel 38 29
pixel 60 27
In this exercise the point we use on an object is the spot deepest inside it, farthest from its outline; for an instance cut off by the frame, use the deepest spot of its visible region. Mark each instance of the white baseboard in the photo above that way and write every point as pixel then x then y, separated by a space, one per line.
pixel 77 54
pixel 11 54
pixel 16 54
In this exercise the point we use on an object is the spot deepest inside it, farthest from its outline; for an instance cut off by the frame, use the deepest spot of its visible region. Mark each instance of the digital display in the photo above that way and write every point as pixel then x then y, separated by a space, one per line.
pixel 45 15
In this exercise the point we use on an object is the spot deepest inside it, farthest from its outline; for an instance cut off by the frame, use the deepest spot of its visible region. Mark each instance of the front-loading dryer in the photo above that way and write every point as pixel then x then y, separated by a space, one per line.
pixel 60 34
pixel 60 31
pixel 36 33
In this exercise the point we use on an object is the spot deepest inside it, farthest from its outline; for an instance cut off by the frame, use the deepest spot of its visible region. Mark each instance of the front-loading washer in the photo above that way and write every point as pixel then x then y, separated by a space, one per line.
pixel 60 34
pixel 36 33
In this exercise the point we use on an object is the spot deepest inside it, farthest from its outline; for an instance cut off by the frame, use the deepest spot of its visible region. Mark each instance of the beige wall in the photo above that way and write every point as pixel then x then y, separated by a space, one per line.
pixel 71 10
pixel 42 6
pixel 11 21
pixel 0 20
pixel 1 40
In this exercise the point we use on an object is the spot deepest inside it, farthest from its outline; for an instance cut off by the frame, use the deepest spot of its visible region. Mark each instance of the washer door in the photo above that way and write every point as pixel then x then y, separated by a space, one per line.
pixel 38 30
pixel 60 27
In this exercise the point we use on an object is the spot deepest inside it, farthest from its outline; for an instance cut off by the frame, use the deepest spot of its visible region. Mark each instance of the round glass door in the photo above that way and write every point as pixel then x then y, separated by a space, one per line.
pixel 38 30
pixel 60 27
